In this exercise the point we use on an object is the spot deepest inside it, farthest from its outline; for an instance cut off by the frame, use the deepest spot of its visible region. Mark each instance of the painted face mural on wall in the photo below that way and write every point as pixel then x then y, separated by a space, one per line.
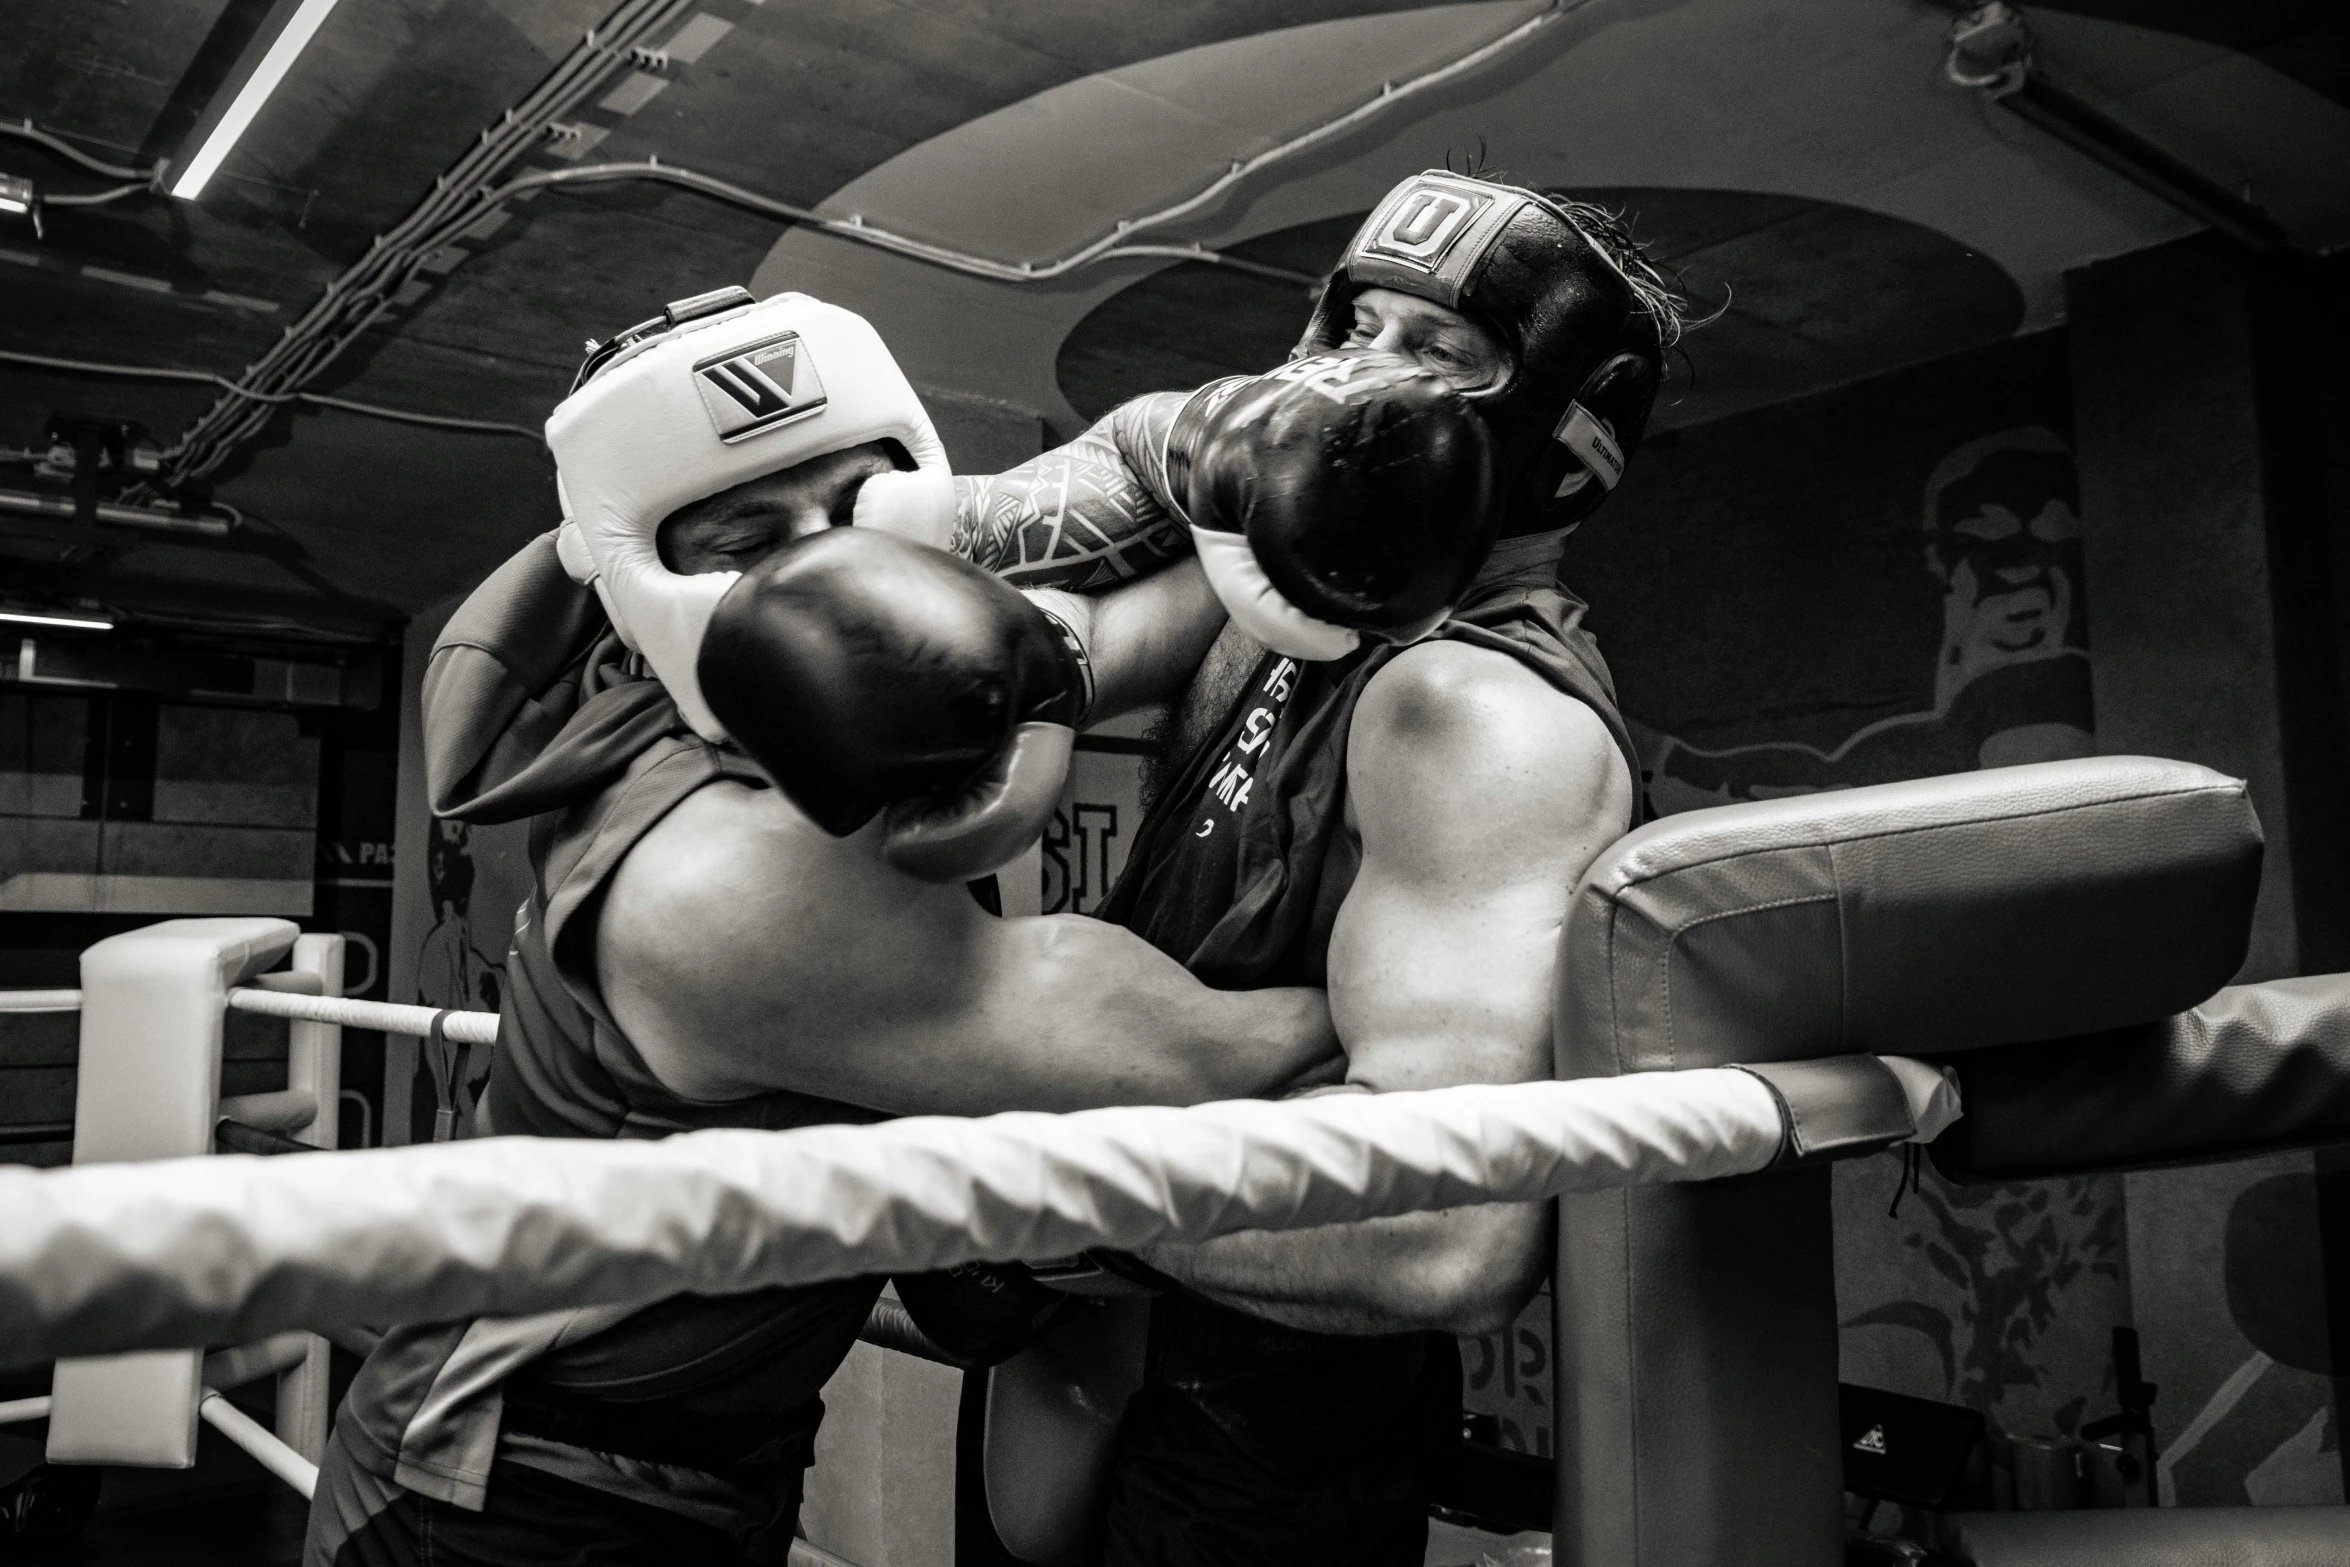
pixel 2003 534
pixel 2011 679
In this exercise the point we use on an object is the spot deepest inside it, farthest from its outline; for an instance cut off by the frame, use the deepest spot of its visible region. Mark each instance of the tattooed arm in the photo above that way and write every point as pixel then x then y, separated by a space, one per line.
pixel 1083 517
pixel 1086 531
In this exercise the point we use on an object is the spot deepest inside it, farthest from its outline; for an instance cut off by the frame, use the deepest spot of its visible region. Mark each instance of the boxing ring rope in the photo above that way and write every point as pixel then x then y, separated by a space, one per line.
pixel 386 1017
pixel 151 1245
pixel 102 1259
pixel 40 1001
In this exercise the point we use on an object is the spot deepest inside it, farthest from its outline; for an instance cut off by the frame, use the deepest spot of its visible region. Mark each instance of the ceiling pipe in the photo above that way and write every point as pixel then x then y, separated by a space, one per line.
pixel 62 508
pixel 1991 48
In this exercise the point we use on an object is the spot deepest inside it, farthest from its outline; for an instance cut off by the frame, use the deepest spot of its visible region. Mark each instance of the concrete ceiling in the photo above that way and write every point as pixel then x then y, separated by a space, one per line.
pixel 1804 156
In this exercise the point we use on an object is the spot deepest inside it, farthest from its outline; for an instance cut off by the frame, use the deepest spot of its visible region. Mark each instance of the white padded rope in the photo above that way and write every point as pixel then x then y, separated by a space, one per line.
pixel 100 1259
pixel 389 1017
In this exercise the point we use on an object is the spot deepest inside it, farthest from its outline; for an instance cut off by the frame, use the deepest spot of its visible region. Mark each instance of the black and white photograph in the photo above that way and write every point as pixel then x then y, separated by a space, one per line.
pixel 1174 783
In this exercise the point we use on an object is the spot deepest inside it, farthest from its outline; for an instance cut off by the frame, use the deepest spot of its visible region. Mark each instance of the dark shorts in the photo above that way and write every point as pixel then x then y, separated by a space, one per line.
pixel 535 1520
pixel 1185 1495
pixel 1252 1443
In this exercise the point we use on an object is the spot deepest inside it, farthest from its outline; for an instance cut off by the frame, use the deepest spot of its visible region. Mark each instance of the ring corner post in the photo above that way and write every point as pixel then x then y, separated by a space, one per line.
pixel 148 1085
pixel 1696 1376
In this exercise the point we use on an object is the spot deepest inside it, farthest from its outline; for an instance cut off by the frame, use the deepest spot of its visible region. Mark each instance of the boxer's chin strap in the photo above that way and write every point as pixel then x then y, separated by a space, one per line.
pixel 1594 445
pixel 1261 609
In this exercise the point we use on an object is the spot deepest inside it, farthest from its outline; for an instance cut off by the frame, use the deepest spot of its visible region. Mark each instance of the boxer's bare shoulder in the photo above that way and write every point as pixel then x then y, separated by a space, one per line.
pixel 742 950
pixel 1480 792
pixel 735 904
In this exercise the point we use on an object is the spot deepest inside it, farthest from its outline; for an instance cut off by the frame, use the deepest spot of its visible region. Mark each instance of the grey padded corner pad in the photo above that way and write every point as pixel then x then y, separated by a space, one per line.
pixel 1839 1108
pixel 1917 918
pixel 2255 1069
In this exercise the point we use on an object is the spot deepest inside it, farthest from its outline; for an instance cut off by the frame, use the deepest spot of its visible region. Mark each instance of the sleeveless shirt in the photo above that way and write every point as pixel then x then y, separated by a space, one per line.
pixel 534 710
pixel 1238 872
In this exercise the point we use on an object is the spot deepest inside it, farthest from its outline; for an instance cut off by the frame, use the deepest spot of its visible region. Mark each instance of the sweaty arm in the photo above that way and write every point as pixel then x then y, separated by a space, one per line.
pixel 742 950
pixel 1481 793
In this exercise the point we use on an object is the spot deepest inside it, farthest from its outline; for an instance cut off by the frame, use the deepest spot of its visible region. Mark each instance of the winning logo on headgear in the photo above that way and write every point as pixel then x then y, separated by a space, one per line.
pixel 760 386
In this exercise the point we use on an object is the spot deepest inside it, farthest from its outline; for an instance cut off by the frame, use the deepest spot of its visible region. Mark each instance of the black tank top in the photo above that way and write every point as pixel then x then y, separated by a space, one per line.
pixel 564 1068
pixel 1238 872
pixel 1239 869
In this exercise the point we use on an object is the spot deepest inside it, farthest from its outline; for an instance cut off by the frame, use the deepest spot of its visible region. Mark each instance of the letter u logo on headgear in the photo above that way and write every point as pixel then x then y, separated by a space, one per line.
pixel 1425 224
pixel 1422 217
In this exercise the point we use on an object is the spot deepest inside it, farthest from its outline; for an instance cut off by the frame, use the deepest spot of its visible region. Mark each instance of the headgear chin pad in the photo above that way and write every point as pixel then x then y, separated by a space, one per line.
pixel 700 403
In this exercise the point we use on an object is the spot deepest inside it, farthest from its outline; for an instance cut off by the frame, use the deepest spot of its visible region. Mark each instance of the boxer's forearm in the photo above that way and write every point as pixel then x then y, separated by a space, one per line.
pixel 742 950
pixel 1458 1270
pixel 1076 517
pixel 1144 639
pixel 1074 1012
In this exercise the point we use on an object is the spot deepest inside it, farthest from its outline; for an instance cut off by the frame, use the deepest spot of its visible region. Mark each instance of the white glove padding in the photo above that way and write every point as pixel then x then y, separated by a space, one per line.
pixel 705 406
pixel 1261 609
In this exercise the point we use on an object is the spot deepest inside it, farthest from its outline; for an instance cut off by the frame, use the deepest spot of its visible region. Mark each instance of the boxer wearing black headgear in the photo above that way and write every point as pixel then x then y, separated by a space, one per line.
pixel 1581 326
pixel 1403 819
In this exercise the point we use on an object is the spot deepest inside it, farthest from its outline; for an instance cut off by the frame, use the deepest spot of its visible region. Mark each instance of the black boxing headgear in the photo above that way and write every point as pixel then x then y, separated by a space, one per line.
pixel 1584 355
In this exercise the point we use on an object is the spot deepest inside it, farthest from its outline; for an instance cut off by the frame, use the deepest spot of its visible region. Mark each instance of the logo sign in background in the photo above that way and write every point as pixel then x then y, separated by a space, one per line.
pixel 759 386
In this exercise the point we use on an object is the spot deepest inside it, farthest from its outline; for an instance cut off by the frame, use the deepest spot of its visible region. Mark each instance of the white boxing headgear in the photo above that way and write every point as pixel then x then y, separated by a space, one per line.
pixel 718 390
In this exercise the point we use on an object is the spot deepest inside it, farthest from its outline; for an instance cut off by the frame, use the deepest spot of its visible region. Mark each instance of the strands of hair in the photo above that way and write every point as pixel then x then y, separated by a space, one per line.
pixel 1657 289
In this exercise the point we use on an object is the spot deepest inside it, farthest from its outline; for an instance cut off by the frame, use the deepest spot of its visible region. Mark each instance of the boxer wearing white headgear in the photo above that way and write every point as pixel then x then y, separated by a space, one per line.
pixel 718 390
pixel 770 930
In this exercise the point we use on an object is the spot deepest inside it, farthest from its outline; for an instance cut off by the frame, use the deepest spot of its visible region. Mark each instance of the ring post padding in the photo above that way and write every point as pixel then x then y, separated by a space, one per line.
pixel 147 1087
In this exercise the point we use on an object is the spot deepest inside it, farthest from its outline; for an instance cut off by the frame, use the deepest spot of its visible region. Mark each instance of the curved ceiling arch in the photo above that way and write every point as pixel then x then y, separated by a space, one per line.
pixel 1840 293
pixel 1838 102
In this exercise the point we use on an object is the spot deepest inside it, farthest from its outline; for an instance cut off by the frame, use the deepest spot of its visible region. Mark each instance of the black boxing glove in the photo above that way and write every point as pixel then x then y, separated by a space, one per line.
pixel 981 1313
pixel 870 674
pixel 1345 493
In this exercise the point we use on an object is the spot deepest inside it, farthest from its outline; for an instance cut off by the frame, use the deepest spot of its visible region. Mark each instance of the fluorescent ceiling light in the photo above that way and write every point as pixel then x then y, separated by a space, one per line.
pixel 217 133
pixel 25 617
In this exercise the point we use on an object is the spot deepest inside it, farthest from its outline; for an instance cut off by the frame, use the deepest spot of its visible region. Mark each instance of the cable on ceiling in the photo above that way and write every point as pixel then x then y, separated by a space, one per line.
pixel 94 198
pixel 359 297
pixel 468 192
pixel 321 399
pixel 26 130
